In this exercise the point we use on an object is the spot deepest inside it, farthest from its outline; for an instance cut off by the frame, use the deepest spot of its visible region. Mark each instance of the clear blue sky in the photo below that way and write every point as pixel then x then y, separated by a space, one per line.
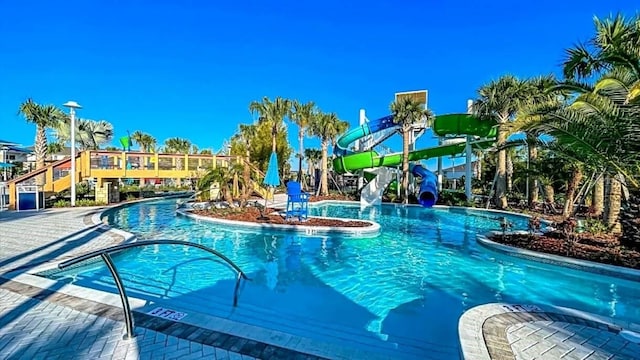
pixel 190 68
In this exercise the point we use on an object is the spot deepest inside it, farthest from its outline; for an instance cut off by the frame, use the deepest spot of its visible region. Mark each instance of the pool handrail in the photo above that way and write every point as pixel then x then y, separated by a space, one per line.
pixel 105 254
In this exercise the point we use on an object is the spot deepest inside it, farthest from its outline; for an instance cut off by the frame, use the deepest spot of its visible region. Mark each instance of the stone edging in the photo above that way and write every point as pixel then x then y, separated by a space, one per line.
pixel 368 231
pixel 482 329
pixel 584 265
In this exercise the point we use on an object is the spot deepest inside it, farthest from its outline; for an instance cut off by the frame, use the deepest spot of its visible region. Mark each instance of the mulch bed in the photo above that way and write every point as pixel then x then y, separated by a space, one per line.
pixel 601 248
pixel 252 214
pixel 315 198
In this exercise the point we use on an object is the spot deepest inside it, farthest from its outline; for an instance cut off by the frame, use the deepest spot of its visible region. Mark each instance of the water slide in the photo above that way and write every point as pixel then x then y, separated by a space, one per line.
pixel 444 125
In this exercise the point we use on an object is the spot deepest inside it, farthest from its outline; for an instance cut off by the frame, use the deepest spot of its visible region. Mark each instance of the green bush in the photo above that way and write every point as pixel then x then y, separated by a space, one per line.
pixel 79 203
pixel 453 198
pixel 595 226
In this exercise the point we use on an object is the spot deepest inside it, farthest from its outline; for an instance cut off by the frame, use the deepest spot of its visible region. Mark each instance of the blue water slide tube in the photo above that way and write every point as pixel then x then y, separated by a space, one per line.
pixel 428 194
pixel 359 132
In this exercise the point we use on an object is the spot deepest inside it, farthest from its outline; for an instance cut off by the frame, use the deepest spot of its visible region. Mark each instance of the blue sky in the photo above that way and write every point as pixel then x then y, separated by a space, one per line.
pixel 190 68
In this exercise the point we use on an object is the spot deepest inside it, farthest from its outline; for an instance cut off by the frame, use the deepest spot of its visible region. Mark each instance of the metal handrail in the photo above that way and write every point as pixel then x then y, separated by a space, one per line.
pixel 105 254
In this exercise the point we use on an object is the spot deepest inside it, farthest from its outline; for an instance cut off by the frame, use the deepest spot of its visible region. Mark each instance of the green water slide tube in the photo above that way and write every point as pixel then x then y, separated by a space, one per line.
pixel 452 124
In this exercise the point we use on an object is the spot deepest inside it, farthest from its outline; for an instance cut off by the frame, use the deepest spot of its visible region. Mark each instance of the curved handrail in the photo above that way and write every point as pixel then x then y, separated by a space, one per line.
pixel 115 248
pixel 106 257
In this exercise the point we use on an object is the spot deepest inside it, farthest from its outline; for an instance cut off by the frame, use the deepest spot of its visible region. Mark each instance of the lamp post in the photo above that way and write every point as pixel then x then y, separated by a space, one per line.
pixel 72 105
pixel 4 160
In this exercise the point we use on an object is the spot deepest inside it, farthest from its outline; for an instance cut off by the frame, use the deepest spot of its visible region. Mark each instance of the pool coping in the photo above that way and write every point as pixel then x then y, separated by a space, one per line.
pixel 577 264
pixel 369 231
pixel 477 344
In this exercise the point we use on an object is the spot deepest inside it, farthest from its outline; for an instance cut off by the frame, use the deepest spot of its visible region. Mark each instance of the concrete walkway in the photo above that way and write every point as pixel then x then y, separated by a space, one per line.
pixel 31 238
pixel 504 331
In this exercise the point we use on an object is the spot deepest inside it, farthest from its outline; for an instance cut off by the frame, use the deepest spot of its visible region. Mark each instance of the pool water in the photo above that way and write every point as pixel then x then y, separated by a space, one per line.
pixel 400 293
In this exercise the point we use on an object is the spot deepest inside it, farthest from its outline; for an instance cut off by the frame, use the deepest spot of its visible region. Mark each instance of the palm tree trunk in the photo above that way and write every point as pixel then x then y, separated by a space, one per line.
pixel 274 132
pixel 247 177
pixel 509 162
pixel 41 152
pixel 479 165
pixel 549 194
pixel 598 197
pixel 613 201
pixel 532 153
pixel 501 171
pixel 324 179
pixel 405 165
pixel 301 153
pixel 572 186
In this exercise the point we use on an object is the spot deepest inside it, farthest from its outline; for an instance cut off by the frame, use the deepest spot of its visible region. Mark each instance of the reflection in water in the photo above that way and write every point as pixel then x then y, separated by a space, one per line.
pixel 409 285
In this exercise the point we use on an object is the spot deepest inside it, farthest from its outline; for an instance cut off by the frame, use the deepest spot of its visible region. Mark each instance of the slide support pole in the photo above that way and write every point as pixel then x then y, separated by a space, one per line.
pixel 467 176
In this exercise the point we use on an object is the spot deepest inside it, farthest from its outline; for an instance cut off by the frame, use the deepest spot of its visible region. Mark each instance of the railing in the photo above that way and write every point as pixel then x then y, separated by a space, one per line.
pixel 105 254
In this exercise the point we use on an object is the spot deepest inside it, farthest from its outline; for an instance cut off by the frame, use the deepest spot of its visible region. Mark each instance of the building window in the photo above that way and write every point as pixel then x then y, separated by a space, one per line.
pixel 12 157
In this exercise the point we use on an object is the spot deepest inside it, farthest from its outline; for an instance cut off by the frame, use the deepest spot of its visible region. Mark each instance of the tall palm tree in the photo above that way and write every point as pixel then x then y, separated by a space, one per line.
pixel 301 116
pixel 500 100
pixel 327 127
pixel 407 112
pixel 615 44
pixel 138 138
pixel 43 116
pixel 272 112
pixel 312 156
pixel 178 146
pixel 149 143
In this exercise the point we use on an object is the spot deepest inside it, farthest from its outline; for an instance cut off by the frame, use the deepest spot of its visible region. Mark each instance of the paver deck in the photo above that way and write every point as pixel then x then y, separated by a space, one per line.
pixel 502 331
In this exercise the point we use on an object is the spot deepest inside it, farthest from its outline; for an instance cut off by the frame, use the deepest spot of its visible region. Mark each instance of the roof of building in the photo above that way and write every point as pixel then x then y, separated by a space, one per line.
pixel 18 149
pixel 8 143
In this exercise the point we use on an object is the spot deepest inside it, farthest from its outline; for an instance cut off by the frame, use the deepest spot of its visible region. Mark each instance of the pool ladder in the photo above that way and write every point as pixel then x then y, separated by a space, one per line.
pixel 105 254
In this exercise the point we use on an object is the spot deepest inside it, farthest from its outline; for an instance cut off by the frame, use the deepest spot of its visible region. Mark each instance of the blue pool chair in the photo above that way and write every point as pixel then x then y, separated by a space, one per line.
pixel 297 201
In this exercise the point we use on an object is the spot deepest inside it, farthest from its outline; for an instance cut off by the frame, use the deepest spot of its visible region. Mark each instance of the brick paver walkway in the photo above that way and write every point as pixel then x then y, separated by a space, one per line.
pixel 50 331
pixel 31 238
pixel 500 331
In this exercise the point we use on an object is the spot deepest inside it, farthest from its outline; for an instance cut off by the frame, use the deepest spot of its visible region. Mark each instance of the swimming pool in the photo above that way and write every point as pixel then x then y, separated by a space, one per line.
pixel 401 292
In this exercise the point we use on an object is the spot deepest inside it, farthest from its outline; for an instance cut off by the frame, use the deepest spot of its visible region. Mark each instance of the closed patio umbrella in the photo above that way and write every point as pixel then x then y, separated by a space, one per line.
pixel 272 177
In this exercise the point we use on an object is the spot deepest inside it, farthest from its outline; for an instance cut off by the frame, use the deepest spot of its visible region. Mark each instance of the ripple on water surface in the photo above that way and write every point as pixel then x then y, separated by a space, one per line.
pixel 404 289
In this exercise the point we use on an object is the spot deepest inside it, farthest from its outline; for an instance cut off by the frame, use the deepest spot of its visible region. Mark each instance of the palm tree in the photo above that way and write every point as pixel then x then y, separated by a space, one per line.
pixel 149 143
pixel 327 127
pixel 614 45
pixel 272 112
pixel 407 112
pixel 246 133
pixel 53 148
pixel 138 138
pixel 312 156
pixel 43 116
pixel 500 100
pixel 301 116
pixel 89 134
pixel 226 177
pixel 597 129
pixel 177 146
